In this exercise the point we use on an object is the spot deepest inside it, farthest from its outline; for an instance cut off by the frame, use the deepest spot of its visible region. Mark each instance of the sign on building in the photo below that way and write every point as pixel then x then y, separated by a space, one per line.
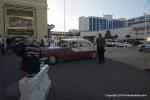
pixel 19 20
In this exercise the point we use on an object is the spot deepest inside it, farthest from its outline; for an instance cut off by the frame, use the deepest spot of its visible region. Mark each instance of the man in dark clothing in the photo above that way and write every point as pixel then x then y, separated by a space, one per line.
pixel 100 41
pixel 9 44
pixel 2 44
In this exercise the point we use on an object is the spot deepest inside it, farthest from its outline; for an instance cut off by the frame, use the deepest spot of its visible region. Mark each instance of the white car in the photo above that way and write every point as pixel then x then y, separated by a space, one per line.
pixel 145 46
pixel 123 44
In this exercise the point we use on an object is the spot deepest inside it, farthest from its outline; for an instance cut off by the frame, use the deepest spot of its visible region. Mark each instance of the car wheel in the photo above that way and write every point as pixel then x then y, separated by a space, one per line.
pixel 52 59
pixel 140 50
pixel 93 56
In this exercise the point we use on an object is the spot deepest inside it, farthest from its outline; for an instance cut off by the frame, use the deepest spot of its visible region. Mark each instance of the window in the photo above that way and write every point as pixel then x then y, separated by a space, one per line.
pixel 85 44
pixel 74 44
pixel 63 44
pixel 90 24
pixel 94 24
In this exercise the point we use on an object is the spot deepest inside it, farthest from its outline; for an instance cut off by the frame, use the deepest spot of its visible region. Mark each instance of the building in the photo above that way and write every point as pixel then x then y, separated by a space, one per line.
pixel 100 23
pixel 137 28
pixel 140 26
pixel 23 18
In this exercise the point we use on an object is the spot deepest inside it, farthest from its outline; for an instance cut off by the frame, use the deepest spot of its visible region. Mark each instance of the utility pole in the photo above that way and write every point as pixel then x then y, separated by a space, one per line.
pixel 145 26
pixel 64 15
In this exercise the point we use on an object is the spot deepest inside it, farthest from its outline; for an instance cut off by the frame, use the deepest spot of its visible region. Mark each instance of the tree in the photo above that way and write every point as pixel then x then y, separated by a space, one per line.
pixel 115 36
pixel 127 36
pixel 108 34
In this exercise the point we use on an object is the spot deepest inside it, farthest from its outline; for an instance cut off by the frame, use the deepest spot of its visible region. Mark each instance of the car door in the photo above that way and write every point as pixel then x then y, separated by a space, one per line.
pixel 68 52
pixel 75 47
pixel 87 49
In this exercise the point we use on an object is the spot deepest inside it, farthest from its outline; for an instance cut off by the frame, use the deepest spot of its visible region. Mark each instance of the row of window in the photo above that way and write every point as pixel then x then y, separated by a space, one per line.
pixel 139 18
pixel 96 24
pixel 74 44
pixel 138 22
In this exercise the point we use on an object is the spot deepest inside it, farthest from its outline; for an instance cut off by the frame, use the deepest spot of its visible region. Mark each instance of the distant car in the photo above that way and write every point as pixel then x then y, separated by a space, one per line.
pixel 68 49
pixel 115 43
pixel 145 46
pixel 123 44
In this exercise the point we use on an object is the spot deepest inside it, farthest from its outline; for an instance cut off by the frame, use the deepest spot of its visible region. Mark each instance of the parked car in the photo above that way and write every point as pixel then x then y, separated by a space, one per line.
pixel 68 49
pixel 123 44
pixel 117 43
pixel 145 46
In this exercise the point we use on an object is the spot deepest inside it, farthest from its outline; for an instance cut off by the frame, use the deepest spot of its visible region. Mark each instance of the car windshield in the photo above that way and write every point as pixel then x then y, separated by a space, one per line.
pixel 63 43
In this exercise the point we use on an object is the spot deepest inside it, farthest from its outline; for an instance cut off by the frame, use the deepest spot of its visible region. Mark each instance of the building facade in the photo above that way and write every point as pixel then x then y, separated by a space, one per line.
pixel 23 18
pixel 100 23
pixel 137 28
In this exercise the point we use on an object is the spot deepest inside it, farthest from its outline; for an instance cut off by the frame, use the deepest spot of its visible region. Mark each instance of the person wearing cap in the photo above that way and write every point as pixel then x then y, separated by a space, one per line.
pixel 100 42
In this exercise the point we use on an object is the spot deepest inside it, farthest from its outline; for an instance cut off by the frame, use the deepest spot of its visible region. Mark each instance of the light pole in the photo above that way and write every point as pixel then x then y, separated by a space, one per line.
pixel 64 15
pixel 145 26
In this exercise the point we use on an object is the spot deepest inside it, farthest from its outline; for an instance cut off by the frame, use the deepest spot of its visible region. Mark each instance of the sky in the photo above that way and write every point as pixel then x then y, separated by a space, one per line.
pixel 77 8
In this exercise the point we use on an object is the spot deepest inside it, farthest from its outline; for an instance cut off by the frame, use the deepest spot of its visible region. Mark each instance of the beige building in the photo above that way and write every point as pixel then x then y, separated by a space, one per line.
pixel 23 18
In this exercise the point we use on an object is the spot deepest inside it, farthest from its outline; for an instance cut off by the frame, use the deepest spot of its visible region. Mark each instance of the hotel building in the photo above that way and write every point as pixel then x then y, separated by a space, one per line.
pixel 138 27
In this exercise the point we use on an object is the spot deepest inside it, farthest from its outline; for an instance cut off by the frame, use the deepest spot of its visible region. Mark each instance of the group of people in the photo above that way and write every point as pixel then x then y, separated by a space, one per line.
pixel 49 41
pixel 9 42
pixel 53 41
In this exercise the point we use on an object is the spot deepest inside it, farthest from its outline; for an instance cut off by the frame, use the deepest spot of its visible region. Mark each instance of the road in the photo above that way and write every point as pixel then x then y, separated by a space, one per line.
pixel 9 74
pixel 87 80
pixel 130 56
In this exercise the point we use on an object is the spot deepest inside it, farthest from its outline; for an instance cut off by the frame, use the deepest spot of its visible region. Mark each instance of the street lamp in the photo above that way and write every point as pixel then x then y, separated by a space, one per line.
pixel 64 15
pixel 145 26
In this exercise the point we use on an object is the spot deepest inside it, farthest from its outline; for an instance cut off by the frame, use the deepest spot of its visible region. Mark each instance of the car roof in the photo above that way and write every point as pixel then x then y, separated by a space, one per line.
pixel 76 39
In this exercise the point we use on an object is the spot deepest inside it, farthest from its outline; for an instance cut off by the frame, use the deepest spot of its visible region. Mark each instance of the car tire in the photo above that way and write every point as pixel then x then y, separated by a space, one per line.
pixel 52 59
pixel 140 50
pixel 93 56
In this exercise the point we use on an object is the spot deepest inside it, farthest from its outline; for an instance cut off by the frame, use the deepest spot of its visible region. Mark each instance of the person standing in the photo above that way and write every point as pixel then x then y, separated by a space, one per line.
pixel 100 42
pixel 49 41
pixel 45 40
pixel 2 45
pixel 9 44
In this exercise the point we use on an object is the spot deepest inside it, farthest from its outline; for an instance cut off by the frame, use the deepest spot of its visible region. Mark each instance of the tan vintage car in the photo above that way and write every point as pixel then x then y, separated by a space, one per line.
pixel 69 49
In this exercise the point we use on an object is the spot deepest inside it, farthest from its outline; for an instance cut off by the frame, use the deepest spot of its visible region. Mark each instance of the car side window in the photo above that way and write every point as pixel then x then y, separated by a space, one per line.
pixel 85 44
pixel 63 43
pixel 74 44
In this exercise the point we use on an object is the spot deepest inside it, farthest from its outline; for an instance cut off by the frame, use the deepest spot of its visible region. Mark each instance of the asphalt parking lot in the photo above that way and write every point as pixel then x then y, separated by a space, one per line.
pixel 86 80
pixel 130 56
pixel 123 73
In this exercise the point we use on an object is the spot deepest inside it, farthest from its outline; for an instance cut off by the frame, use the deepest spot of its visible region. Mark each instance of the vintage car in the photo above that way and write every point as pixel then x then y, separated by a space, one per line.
pixel 68 49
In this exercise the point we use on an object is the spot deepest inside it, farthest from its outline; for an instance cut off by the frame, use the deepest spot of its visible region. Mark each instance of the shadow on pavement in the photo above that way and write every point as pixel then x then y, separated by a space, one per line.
pixel 87 80
pixel 9 76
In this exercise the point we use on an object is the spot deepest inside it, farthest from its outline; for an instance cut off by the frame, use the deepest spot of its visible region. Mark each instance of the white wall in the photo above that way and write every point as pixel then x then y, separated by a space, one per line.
pixel 83 24
pixel 121 32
